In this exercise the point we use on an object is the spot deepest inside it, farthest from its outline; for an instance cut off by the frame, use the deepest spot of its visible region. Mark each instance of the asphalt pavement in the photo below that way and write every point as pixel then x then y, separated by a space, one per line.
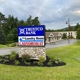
pixel 4 51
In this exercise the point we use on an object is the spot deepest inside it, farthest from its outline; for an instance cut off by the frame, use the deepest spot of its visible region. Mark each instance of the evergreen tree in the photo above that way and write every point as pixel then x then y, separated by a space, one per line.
pixel 29 21
pixel 64 36
pixel 77 26
pixel 78 33
pixel 2 36
pixel 35 21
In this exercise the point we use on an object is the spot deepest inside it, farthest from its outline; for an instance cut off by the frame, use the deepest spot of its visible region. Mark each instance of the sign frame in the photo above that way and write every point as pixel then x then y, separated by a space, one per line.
pixel 40 34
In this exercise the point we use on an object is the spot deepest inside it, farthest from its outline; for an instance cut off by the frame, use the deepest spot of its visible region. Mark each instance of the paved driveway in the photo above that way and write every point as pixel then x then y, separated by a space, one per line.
pixel 52 45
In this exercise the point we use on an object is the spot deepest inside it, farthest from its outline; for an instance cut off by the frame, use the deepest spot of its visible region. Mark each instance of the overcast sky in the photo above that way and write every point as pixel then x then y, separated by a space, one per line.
pixel 52 13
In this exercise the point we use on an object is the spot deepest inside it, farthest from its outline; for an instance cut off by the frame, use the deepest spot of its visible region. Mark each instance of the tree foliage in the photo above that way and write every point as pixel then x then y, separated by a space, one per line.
pixel 9 26
pixel 76 26
pixel 2 36
pixel 64 36
pixel 2 18
pixel 78 33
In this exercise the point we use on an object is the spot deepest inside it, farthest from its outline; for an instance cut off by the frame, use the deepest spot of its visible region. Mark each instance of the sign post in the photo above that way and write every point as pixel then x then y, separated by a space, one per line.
pixel 31 40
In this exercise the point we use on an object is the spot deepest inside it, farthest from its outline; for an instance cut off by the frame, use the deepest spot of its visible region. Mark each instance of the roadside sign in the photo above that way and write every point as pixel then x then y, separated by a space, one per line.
pixel 31 36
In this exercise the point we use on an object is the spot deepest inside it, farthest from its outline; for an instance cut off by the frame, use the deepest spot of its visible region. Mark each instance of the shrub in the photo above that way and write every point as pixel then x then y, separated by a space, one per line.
pixel 49 63
pixel 51 58
pixel 12 45
pixel 16 62
pixel 26 57
pixel 40 64
pixel 41 59
pixel 13 55
pixel 57 61
pixel 35 62
pixel 5 60
pixel 1 60
pixel 3 57
pixel 6 57
pixel 78 33
pixel 64 36
pixel 27 63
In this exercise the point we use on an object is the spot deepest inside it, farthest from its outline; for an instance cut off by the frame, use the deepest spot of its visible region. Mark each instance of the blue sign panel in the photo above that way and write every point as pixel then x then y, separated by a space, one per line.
pixel 31 35
pixel 31 30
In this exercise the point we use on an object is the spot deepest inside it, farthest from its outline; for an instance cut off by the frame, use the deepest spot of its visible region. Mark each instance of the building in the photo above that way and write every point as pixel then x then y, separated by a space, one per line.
pixel 69 33
pixel 52 37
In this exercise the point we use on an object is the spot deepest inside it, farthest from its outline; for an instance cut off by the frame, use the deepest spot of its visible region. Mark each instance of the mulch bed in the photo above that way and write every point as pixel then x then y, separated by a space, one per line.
pixel 32 62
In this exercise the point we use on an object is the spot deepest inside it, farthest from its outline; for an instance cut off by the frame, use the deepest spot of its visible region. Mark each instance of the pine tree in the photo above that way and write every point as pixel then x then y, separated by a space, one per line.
pixel 78 33
pixel 2 36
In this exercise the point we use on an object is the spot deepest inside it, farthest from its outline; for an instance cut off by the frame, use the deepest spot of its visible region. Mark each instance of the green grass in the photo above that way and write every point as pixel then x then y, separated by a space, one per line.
pixel 7 45
pixel 71 71
pixel 3 46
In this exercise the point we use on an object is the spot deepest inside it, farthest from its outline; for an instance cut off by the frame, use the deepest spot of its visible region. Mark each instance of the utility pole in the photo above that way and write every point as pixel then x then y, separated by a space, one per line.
pixel 68 22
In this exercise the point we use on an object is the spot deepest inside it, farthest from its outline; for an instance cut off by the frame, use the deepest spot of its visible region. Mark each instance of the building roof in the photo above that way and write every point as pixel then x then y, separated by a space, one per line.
pixel 53 34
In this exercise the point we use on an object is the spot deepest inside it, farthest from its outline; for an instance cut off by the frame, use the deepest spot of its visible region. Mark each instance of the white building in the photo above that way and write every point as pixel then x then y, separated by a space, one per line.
pixel 56 36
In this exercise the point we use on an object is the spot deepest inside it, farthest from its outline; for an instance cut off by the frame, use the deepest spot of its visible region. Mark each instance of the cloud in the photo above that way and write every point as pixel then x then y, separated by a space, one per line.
pixel 77 13
pixel 50 12
pixel 3 0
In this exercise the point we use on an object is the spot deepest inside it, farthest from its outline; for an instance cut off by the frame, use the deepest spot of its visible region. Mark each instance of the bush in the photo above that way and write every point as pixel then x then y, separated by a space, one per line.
pixel 51 58
pixel 1 60
pixel 5 60
pixel 27 63
pixel 41 59
pixel 13 55
pixel 16 62
pixel 49 63
pixel 3 57
pixel 26 57
pixel 57 61
pixel 6 57
pixel 40 64
pixel 12 45
pixel 64 36
pixel 78 33
pixel 35 62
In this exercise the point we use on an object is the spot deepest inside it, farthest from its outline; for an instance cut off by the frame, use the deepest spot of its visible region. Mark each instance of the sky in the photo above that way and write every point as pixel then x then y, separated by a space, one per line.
pixel 51 13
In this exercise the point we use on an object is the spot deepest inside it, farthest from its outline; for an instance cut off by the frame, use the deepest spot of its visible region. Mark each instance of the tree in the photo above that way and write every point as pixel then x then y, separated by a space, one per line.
pixel 64 36
pixel 29 21
pixel 77 26
pixel 15 35
pixel 11 23
pixel 2 18
pixel 2 36
pixel 78 33
pixel 21 23
pixel 35 21
pixel 12 36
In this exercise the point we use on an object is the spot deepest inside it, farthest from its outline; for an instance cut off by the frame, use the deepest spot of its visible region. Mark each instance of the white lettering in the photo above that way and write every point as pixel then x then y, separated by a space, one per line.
pixel 31 32
pixel 34 29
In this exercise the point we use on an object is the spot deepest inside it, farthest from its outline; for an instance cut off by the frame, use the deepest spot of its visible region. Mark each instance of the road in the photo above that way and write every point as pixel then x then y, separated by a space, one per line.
pixel 52 45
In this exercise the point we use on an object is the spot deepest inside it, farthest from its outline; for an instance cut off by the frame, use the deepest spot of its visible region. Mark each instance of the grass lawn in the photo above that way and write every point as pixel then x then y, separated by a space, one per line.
pixel 3 46
pixel 7 45
pixel 71 71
